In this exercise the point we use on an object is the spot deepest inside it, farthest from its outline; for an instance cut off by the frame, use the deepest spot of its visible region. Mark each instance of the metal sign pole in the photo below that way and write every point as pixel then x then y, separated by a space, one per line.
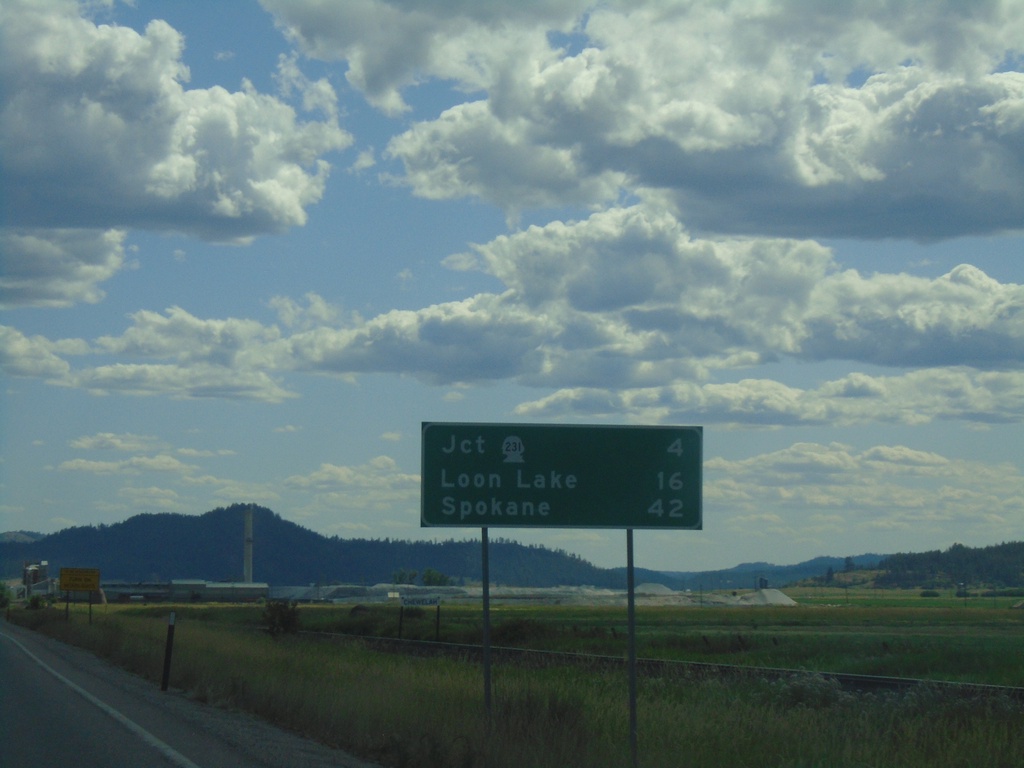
pixel 486 577
pixel 631 611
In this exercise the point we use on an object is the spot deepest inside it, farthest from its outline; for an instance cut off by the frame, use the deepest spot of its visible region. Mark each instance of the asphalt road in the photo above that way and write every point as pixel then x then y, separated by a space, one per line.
pixel 61 707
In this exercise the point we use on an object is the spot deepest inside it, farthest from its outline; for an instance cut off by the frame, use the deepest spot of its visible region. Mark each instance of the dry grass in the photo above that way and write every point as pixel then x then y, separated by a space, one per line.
pixel 407 711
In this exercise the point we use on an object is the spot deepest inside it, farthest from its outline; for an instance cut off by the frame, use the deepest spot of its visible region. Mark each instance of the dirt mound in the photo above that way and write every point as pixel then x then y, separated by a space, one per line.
pixel 766 597
pixel 651 588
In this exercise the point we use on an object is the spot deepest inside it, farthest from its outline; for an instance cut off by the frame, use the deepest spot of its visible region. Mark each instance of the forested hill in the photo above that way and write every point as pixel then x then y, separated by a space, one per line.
pixel 748 575
pixel 209 546
pixel 1001 565
pixel 161 547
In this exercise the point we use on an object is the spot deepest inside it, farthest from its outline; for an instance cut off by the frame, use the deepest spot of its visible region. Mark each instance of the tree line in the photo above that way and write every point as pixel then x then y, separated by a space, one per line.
pixel 997 566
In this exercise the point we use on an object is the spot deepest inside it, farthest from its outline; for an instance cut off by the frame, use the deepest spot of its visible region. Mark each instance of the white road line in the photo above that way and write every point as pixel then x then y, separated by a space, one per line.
pixel 166 750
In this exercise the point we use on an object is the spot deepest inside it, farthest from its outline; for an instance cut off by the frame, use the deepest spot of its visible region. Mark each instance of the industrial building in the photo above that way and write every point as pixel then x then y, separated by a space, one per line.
pixel 185 591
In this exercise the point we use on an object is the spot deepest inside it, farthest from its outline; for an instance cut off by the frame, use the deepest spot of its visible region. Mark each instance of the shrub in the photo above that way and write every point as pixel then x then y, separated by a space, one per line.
pixel 1003 593
pixel 281 617
pixel 520 631
pixel 813 691
pixel 929 593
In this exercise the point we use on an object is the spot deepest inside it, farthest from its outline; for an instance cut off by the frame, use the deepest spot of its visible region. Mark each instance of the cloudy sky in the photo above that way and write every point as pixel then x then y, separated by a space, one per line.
pixel 246 248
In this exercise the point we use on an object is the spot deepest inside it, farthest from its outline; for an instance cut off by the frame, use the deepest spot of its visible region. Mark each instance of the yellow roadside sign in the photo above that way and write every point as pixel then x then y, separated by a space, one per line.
pixel 79 579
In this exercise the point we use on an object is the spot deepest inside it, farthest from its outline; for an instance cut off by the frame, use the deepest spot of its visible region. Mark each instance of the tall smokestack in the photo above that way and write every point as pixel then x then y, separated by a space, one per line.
pixel 247 567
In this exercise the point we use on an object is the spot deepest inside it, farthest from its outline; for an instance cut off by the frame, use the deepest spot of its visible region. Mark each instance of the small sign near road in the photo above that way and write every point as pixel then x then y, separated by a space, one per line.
pixel 422 601
pixel 530 475
pixel 79 579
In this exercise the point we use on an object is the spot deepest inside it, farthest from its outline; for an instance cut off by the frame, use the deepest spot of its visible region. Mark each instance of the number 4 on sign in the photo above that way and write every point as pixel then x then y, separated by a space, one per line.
pixel 676 447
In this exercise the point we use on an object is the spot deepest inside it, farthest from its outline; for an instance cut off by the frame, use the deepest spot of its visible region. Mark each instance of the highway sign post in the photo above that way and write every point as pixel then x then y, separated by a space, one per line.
pixel 78 580
pixel 544 476
pixel 421 601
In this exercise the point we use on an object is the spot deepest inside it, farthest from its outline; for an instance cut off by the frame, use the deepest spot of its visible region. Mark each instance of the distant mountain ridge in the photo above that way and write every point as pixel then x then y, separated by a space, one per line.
pixel 747 575
pixel 999 565
pixel 161 547
pixel 20 536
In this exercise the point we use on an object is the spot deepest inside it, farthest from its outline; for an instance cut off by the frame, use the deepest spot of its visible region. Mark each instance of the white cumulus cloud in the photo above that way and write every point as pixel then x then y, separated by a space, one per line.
pixel 862 118
pixel 99 133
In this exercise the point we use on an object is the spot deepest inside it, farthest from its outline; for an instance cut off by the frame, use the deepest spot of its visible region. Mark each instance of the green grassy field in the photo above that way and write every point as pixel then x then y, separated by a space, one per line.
pixel 409 711
pixel 900 635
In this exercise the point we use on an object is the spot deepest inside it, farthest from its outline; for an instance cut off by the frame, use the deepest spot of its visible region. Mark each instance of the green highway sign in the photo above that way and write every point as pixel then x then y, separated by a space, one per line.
pixel 541 476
